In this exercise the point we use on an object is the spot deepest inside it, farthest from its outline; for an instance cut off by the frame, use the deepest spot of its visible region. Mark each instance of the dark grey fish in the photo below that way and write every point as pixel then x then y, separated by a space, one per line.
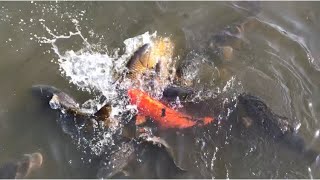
pixel 277 127
pixel 58 98
pixel 80 124
pixel 252 113
pixel 136 153
pixel 118 161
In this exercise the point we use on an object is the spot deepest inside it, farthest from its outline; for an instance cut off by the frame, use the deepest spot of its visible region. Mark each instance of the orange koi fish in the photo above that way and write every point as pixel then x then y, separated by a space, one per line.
pixel 165 116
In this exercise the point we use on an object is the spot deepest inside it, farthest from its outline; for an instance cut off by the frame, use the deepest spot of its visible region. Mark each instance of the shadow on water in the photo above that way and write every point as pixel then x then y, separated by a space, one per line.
pixel 275 57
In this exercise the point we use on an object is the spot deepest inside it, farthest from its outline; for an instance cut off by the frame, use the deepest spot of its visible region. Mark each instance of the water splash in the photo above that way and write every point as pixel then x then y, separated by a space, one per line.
pixel 96 73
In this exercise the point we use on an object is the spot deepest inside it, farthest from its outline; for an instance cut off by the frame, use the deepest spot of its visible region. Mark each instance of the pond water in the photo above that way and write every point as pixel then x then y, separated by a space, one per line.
pixel 275 57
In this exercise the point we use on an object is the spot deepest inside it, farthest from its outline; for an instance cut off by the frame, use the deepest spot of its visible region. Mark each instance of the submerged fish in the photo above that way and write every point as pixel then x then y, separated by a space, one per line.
pixel 22 167
pixel 119 163
pixel 250 113
pixel 165 116
pixel 260 116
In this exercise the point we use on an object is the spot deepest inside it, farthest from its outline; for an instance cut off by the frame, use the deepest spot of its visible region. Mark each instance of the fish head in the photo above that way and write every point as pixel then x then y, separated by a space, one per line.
pixel 28 164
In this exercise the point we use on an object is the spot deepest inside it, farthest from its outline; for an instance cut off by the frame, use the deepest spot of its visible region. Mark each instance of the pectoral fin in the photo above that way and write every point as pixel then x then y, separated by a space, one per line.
pixel 161 143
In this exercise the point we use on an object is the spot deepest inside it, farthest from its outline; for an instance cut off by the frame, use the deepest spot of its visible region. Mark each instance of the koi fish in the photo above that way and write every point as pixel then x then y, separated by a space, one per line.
pixel 157 55
pixel 165 116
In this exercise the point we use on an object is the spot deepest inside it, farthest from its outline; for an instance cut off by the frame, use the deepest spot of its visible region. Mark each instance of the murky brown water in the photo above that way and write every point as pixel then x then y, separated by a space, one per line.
pixel 277 60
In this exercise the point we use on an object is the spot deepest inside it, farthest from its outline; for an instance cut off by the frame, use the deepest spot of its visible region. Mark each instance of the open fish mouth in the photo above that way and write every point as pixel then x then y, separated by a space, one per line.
pixel 21 168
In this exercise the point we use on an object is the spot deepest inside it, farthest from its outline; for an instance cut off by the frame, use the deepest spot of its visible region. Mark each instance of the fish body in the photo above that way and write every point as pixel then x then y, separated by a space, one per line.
pixel 139 62
pixel 275 126
pixel 165 116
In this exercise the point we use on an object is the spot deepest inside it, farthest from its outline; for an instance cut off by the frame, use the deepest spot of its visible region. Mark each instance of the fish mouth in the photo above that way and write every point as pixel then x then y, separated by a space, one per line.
pixel 28 164
pixel 36 160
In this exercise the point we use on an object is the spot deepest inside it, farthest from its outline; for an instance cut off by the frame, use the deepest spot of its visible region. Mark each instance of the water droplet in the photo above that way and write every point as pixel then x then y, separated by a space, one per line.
pixel 297 127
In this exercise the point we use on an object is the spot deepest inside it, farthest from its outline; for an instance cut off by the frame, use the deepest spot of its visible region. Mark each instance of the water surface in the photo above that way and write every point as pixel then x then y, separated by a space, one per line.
pixel 277 60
